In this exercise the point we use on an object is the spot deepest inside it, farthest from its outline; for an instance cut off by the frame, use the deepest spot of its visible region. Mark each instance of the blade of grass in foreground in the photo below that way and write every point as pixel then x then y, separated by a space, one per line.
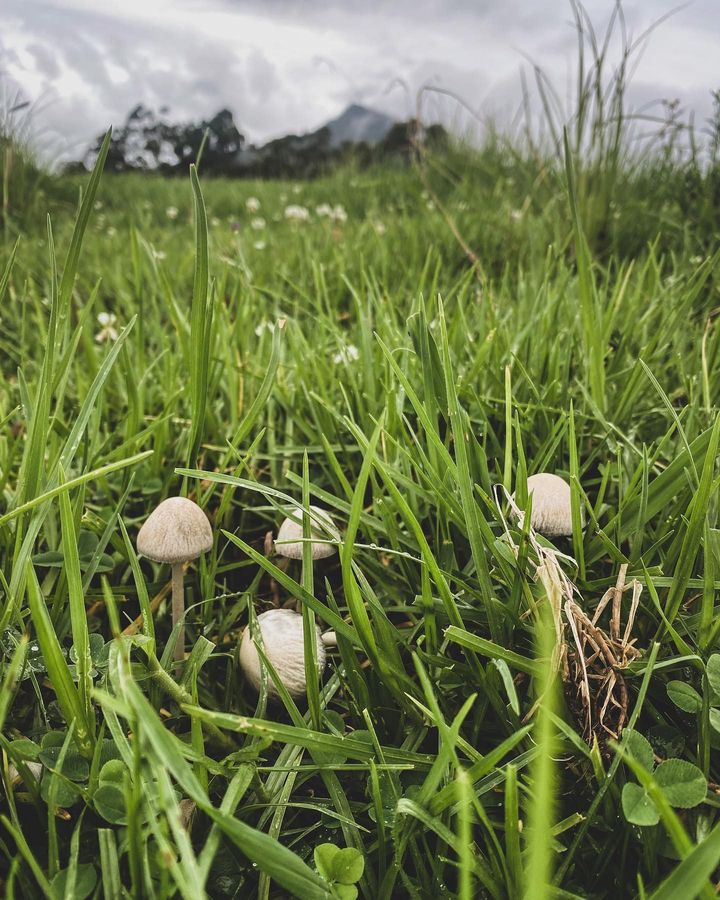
pixel 11 677
pixel 76 600
pixel 201 318
pixel 696 524
pixel 73 483
pixel 471 510
pixel 305 737
pixel 5 279
pixel 57 668
pixel 591 320
pixel 109 864
pixel 543 771
pixel 73 256
pixel 353 598
pixel 309 628
pixel 693 873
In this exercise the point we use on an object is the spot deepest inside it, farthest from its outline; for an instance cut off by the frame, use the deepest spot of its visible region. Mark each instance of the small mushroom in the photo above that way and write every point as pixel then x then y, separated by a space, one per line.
pixel 551 511
pixel 176 532
pixel 289 540
pixel 14 776
pixel 281 631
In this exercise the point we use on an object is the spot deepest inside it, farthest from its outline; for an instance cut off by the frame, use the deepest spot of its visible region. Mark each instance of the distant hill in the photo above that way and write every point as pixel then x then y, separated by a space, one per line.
pixel 358 124
pixel 357 129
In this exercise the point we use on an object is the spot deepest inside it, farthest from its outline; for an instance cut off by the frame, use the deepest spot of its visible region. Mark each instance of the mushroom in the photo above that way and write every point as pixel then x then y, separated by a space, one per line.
pixel 551 510
pixel 282 632
pixel 14 776
pixel 289 541
pixel 176 532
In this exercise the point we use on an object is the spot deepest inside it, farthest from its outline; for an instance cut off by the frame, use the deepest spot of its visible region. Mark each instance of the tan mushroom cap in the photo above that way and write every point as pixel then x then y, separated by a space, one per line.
pixel 35 769
pixel 292 531
pixel 282 632
pixel 176 531
pixel 551 511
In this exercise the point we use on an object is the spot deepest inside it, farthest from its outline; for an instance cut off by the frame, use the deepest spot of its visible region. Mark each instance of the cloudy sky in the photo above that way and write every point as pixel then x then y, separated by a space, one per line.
pixel 286 65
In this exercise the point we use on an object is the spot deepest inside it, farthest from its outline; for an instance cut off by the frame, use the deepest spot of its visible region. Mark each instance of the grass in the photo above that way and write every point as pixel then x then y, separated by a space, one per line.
pixel 371 369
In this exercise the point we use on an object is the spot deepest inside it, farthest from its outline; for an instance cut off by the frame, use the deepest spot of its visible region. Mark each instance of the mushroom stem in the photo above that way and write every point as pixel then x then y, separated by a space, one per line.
pixel 178 608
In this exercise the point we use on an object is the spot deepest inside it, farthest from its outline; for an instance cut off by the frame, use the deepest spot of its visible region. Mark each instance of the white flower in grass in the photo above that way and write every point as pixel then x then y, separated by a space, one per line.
pixel 258 223
pixel 379 228
pixel 111 232
pixel 215 222
pixel 172 212
pixel 264 326
pixel 296 213
pixel 259 245
pixel 516 215
pixel 252 204
pixel 339 215
pixel 159 254
pixel 346 355
pixel 98 204
pixel 336 213
pixel 107 330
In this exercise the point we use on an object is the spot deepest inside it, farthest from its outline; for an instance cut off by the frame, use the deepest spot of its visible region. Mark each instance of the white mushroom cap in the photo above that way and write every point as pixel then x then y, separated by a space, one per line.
pixel 14 776
pixel 281 631
pixel 176 531
pixel 292 531
pixel 551 511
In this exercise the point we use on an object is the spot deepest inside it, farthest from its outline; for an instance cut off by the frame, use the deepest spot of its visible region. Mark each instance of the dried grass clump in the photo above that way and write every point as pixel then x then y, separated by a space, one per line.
pixel 591 664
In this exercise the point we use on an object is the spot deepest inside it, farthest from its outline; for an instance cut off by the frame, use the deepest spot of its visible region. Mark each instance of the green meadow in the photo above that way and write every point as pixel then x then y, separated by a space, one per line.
pixel 502 714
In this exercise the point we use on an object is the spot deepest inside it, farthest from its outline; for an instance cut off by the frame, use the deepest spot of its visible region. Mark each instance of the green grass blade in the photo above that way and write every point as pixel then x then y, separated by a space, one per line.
pixel 76 601
pixel 67 695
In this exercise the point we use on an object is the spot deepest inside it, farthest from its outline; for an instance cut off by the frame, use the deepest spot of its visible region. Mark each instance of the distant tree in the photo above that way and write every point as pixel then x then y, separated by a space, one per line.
pixel 399 140
pixel 223 144
pixel 436 138
pixel 147 141
pixel 135 145
pixel 403 137
pixel 295 156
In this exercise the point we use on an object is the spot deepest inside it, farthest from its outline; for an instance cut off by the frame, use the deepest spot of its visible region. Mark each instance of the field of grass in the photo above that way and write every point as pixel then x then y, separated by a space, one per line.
pixel 160 340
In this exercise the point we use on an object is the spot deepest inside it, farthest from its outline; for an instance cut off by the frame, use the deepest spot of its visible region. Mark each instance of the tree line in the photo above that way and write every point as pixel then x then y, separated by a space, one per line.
pixel 147 142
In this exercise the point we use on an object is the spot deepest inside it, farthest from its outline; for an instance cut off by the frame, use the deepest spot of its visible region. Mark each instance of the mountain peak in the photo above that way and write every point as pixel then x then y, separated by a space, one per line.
pixel 358 124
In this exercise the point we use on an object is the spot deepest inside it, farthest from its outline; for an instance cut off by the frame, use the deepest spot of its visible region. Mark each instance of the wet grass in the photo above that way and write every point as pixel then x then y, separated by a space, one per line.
pixel 153 342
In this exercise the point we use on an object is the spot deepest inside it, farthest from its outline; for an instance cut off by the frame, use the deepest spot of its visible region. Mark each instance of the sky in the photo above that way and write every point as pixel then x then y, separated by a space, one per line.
pixel 289 66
